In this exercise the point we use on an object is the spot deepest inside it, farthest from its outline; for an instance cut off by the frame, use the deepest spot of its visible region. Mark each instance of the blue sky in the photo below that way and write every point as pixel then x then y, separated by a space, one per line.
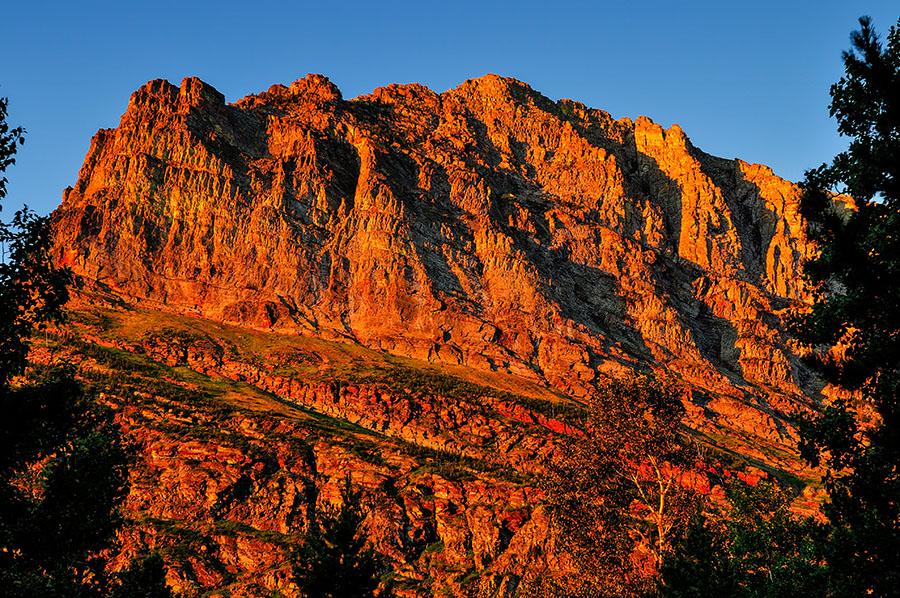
pixel 743 79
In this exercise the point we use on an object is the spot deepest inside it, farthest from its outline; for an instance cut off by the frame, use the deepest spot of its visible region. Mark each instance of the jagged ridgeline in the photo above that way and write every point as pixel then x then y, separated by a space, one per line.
pixel 486 233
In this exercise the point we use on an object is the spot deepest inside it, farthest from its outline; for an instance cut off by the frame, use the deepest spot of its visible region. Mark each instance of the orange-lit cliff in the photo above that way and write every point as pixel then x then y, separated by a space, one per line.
pixel 486 230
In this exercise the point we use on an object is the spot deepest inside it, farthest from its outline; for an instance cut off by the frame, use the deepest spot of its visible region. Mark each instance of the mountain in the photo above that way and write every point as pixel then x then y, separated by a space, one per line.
pixel 449 275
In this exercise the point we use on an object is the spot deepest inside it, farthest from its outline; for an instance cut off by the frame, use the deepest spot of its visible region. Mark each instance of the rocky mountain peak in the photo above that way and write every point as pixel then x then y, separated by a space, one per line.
pixel 417 290
pixel 485 226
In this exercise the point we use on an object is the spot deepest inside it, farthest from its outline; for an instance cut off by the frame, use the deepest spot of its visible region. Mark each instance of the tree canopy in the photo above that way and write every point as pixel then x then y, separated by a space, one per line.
pixel 754 547
pixel 334 561
pixel 616 494
pixel 852 329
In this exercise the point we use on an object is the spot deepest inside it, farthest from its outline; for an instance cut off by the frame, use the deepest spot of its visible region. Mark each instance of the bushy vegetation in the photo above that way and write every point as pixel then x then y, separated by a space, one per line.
pixel 632 524
pixel 616 494
pixel 751 547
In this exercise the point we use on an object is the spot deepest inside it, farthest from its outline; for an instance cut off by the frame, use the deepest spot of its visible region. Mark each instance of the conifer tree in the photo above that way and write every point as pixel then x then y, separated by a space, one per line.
pixel 852 330
pixel 333 561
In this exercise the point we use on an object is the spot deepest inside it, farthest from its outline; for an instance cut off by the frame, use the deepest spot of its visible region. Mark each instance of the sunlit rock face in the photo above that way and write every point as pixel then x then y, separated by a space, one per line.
pixel 485 226
pixel 504 238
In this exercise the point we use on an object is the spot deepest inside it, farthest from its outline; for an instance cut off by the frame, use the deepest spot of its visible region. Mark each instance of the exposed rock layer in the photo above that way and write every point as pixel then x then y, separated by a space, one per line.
pixel 486 225
pixel 241 434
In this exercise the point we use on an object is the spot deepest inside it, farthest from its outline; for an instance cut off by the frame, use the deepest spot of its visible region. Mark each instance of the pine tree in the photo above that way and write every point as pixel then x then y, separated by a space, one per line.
pixel 333 561
pixel 852 330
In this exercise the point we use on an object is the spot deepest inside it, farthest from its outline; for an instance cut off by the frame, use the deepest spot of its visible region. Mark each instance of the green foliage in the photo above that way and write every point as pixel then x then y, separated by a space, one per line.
pixel 754 549
pixel 333 561
pixel 10 139
pixel 616 495
pixel 857 266
pixel 63 474
pixel 852 330
pixel 32 290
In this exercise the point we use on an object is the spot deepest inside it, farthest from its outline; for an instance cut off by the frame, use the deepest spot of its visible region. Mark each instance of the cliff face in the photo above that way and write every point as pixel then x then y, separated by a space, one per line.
pixel 528 245
pixel 485 226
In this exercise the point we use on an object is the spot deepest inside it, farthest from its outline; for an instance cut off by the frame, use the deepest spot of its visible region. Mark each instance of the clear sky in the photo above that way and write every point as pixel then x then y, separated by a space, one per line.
pixel 744 79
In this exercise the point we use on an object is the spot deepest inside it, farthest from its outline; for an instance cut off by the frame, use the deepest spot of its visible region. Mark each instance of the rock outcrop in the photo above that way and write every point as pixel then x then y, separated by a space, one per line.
pixel 238 445
pixel 241 435
pixel 485 226
pixel 487 229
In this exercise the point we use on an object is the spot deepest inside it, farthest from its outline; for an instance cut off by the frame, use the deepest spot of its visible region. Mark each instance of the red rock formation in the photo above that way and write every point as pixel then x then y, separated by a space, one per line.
pixel 228 476
pixel 486 227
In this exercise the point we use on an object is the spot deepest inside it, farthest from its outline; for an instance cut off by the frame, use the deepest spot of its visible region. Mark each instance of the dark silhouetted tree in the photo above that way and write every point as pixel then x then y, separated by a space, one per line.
pixel 754 548
pixel 145 577
pixel 852 330
pixel 333 561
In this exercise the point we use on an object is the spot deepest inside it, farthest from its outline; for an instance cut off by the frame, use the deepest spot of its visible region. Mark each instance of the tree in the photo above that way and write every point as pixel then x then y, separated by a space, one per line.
pixel 333 561
pixel 617 496
pixel 32 291
pixel 61 475
pixel 62 462
pixel 852 328
pixel 145 577
pixel 754 548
